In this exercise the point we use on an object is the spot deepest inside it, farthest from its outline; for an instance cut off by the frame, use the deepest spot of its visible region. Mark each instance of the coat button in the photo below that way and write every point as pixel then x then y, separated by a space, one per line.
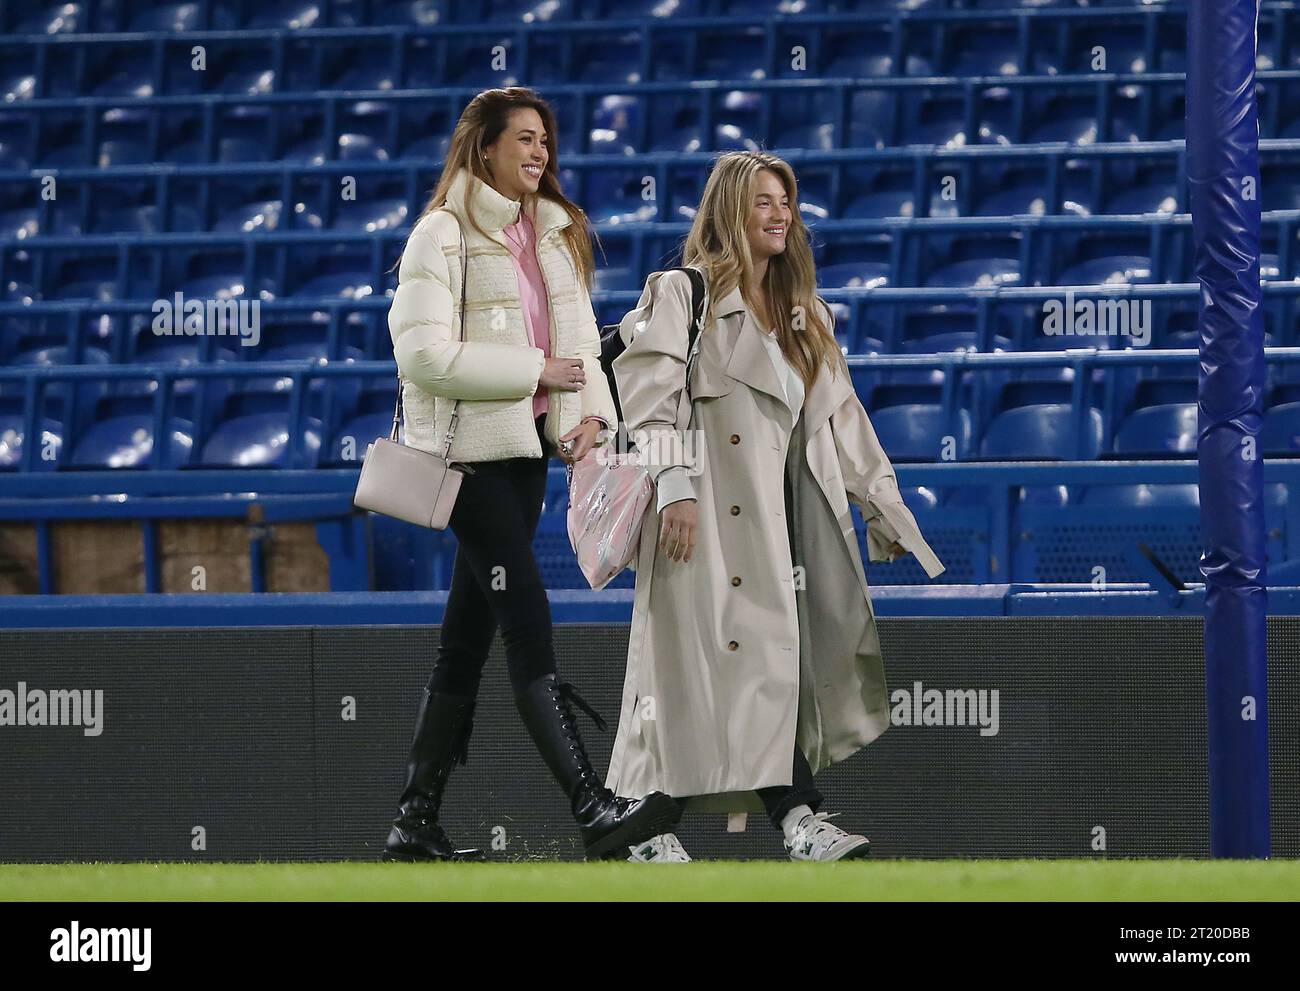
pixel 735 580
pixel 735 510
pixel 733 645
pixel 735 438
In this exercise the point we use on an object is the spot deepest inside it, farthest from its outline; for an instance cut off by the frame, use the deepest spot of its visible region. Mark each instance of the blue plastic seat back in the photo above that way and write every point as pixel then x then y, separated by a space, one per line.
pixel 919 432
pixel 12 437
pixel 255 433
pixel 1159 431
pixel 1041 433
pixel 1280 435
pixel 125 440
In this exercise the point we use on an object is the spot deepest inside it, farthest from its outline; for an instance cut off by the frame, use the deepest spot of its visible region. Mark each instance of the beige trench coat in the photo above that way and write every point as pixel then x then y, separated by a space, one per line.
pixel 743 650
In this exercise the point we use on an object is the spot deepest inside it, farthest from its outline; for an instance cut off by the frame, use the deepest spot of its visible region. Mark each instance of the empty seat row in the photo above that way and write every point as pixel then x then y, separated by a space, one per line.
pixel 248 420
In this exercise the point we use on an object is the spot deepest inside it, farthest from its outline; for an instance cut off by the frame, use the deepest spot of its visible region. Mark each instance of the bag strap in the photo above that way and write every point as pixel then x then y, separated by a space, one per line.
pixel 699 301
pixel 401 385
pixel 699 296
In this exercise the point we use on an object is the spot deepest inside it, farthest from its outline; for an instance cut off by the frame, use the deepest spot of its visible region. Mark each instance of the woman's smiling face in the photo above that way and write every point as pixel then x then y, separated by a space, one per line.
pixel 518 157
pixel 769 216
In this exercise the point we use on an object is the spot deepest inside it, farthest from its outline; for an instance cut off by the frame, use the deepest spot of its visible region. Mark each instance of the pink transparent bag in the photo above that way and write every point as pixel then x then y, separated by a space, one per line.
pixel 608 497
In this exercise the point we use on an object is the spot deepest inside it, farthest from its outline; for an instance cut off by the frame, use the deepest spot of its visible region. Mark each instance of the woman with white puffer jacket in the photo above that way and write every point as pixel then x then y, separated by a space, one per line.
pixel 528 377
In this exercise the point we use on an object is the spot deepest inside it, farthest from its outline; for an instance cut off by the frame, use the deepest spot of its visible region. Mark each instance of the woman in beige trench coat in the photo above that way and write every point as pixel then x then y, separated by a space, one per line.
pixel 753 661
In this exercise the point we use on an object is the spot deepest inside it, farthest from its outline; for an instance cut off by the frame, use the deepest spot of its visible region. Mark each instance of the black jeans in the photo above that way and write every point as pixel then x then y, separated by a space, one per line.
pixel 495 581
pixel 780 799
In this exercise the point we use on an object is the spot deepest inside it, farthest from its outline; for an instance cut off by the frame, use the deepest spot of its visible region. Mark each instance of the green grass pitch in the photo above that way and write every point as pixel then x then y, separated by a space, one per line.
pixel 882 880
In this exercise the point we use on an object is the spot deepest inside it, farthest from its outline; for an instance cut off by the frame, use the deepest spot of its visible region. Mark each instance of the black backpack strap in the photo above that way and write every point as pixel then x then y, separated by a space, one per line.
pixel 697 303
pixel 698 291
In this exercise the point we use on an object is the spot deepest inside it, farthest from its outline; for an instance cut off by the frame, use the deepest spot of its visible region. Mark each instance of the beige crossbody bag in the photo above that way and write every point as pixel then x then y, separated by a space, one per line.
pixel 404 482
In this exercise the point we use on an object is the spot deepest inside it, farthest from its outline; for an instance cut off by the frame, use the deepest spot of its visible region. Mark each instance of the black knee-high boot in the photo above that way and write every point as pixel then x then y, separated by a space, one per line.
pixel 441 738
pixel 607 825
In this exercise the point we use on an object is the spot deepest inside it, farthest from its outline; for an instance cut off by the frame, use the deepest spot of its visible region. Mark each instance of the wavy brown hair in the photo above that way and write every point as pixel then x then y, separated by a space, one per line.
pixel 481 123
pixel 717 243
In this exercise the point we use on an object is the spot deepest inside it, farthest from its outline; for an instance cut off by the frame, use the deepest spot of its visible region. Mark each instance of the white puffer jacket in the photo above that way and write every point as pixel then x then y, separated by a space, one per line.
pixel 495 371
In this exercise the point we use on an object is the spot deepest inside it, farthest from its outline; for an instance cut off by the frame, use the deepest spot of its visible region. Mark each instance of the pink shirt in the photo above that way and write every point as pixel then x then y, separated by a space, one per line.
pixel 522 242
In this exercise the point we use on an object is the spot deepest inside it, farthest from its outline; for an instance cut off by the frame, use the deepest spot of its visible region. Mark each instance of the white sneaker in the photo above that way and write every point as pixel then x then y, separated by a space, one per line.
pixel 662 849
pixel 817 839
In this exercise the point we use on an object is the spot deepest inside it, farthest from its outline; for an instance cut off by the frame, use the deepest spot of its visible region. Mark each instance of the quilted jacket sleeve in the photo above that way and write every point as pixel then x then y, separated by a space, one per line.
pixel 422 323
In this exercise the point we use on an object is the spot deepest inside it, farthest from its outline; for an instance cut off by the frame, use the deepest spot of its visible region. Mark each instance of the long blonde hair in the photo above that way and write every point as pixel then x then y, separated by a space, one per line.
pixel 718 243
pixel 481 123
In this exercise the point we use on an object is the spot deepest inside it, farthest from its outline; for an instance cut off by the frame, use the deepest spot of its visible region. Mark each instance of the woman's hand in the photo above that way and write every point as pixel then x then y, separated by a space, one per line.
pixel 583 436
pixel 566 374
pixel 677 526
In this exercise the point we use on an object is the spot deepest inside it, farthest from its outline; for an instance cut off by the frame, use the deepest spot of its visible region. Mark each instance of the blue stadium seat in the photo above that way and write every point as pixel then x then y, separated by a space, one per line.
pixel 248 74
pixel 349 148
pixel 854 275
pixel 973 272
pixel 16 151
pixel 1165 390
pixel 432 146
pixel 1079 128
pixel 224 285
pixel 1152 197
pixel 1159 431
pixel 228 150
pixel 1109 271
pixel 612 61
pixel 52 351
pixel 1280 434
pixel 25 222
pixel 1123 45
pixel 14 86
pixel 373 418
pixel 176 17
pixel 886 203
pixel 122 437
pixel 348 284
pixel 939 122
pixel 11 437
pixel 400 13
pixel 868 116
pixel 357 435
pixel 55 18
pixel 146 219
pixel 529 11
pixel 1041 432
pixel 985 53
pixel 918 431
pixel 371 215
pixel 304 342
pixel 251 218
pixel 368 70
pixel 133 81
pixel 1025 193
pixel 1141 495
pixel 293 14
pixel 1031 496
pixel 254 433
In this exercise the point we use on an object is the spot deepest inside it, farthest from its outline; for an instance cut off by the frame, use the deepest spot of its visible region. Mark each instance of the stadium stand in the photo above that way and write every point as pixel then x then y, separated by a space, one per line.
pixel 964 166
